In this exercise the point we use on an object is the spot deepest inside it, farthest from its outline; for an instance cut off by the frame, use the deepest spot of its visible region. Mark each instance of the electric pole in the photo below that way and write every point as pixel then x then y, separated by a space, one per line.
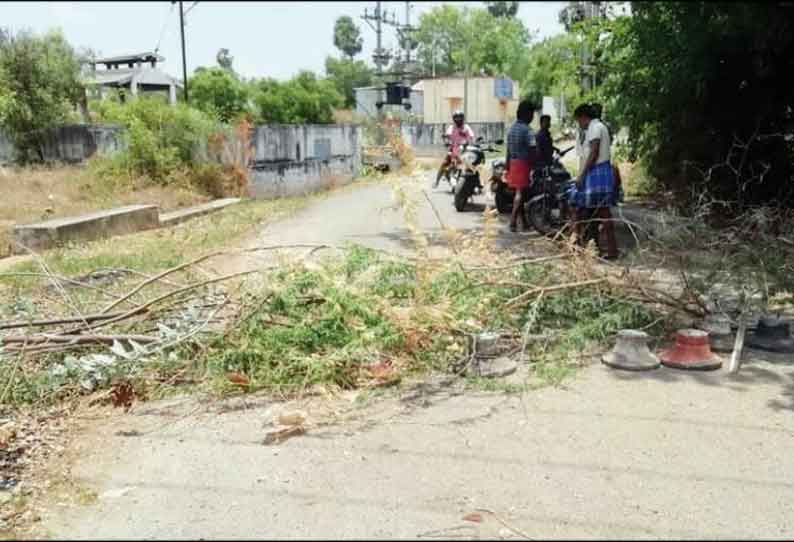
pixel 380 57
pixel 184 59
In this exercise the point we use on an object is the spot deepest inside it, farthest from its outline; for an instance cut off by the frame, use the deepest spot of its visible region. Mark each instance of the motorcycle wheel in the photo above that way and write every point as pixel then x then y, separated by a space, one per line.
pixel 539 214
pixel 463 191
pixel 503 200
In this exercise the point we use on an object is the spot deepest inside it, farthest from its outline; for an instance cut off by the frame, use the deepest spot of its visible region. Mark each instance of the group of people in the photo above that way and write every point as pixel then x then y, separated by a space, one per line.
pixel 597 183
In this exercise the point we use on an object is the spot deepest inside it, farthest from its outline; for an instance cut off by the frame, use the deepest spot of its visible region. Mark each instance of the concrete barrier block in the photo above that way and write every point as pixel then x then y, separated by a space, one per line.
pixel 176 217
pixel 88 227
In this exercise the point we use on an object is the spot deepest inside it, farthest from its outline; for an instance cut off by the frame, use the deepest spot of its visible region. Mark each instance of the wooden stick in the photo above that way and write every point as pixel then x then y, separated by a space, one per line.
pixel 57 321
pixel 142 308
pixel 523 261
pixel 200 259
pixel 548 289
pixel 46 338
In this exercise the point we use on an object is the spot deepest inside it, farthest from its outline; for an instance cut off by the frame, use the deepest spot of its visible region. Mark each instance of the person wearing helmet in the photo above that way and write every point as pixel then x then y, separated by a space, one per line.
pixel 458 133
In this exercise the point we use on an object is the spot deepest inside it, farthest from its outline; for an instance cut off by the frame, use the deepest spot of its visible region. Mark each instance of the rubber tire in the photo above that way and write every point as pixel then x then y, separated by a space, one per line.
pixel 503 201
pixel 463 191
pixel 538 214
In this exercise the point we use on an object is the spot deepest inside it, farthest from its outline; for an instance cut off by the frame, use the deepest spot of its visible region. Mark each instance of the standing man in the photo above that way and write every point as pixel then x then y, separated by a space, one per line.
pixel 595 185
pixel 521 158
pixel 597 111
pixel 457 134
pixel 546 146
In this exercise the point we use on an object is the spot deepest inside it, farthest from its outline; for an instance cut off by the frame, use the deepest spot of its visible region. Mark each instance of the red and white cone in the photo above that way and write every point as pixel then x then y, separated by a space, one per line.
pixel 692 350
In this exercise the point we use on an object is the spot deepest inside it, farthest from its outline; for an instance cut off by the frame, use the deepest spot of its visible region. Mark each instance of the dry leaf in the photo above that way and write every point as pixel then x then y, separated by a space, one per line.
pixel 280 435
pixel 239 379
pixel 474 517
pixel 122 395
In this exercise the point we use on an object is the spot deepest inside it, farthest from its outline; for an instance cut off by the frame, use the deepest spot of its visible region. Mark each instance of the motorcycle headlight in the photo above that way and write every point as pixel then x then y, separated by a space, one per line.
pixel 470 157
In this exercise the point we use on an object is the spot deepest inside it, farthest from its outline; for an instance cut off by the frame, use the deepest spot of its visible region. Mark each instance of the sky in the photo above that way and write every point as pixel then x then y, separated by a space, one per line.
pixel 266 39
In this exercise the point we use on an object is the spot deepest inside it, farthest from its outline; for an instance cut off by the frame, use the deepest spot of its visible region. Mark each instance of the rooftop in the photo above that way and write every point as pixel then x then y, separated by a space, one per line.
pixel 126 59
pixel 123 76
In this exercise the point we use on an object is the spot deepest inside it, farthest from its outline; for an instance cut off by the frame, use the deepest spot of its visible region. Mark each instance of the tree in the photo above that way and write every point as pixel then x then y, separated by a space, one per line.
pixel 690 80
pixel 219 92
pixel 552 70
pixel 347 75
pixel 224 59
pixel 502 8
pixel 347 37
pixel 39 85
pixel 452 39
pixel 304 99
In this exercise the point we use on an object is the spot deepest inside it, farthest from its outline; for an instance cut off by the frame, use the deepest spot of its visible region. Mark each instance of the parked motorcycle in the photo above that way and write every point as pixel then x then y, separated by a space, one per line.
pixel 468 183
pixel 543 181
pixel 547 209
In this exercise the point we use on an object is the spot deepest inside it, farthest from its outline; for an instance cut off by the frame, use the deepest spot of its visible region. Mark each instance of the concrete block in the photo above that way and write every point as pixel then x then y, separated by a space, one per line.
pixel 89 227
pixel 176 217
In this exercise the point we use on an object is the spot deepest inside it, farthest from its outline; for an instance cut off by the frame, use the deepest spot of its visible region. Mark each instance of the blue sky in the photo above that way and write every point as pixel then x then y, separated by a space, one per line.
pixel 275 39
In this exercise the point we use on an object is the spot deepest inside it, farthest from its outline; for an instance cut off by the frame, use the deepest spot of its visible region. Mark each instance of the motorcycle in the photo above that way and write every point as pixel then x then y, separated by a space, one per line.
pixel 468 183
pixel 543 181
pixel 548 208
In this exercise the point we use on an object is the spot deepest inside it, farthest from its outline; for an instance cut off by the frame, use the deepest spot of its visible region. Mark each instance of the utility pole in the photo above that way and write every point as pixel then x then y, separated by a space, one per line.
pixel 184 59
pixel 407 38
pixel 380 58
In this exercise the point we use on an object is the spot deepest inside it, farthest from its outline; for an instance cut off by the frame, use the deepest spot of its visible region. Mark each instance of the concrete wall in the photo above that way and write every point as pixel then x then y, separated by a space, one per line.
pixel 443 96
pixel 292 160
pixel 426 138
pixel 72 143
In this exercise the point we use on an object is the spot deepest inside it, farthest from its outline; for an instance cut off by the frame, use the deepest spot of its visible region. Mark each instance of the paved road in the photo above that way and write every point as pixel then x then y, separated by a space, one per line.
pixel 664 454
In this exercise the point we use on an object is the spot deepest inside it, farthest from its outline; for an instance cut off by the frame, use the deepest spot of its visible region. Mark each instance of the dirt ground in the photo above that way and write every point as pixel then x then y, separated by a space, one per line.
pixel 659 454
pixel 37 193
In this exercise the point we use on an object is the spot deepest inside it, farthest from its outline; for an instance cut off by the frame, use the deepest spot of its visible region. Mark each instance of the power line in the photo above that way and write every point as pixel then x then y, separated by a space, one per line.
pixel 191 7
pixel 165 26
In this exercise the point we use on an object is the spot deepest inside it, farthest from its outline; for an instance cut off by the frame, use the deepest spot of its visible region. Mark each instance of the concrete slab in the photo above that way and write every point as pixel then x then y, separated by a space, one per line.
pixel 88 227
pixel 176 217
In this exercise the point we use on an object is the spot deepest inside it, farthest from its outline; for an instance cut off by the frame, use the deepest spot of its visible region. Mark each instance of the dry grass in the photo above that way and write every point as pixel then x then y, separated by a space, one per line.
pixel 32 194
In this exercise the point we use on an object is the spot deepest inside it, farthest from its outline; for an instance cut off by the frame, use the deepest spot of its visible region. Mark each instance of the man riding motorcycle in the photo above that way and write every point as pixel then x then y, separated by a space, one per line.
pixel 457 134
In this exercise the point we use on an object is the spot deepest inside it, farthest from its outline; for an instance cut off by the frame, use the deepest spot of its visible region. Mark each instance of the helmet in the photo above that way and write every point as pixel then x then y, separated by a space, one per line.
pixel 457 114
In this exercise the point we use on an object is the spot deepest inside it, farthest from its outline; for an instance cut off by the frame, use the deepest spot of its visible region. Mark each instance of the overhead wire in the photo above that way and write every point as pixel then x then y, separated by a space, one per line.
pixel 165 26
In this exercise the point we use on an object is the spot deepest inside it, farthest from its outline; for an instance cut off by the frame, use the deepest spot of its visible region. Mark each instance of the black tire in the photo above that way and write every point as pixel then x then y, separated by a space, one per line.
pixel 463 191
pixel 503 200
pixel 539 215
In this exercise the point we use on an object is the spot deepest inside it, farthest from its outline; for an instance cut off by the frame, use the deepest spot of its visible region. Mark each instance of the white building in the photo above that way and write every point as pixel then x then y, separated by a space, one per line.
pixel 133 73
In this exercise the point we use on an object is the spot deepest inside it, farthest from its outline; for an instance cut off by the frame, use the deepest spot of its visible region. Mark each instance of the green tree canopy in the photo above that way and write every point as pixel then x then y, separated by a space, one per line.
pixel 347 75
pixel 39 85
pixel 551 70
pixel 347 37
pixel 304 99
pixel 219 92
pixel 690 80
pixel 456 37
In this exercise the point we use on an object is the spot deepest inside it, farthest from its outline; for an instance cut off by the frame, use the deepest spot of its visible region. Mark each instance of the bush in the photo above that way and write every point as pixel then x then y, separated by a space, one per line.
pixel 160 138
pixel 39 84
pixel 305 99
pixel 220 93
